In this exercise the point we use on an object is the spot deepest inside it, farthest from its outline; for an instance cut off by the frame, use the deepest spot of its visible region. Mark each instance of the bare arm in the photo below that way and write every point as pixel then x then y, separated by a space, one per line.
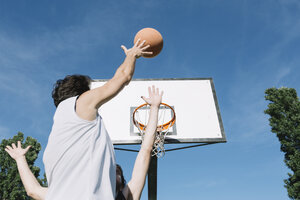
pixel 32 186
pixel 89 102
pixel 136 184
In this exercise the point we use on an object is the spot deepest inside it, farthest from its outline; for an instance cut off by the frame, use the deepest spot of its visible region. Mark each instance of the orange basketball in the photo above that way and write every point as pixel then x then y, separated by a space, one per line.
pixel 152 37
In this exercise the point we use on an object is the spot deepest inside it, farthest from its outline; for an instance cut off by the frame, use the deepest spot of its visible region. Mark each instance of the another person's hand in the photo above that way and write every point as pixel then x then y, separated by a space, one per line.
pixel 155 96
pixel 137 50
pixel 16 152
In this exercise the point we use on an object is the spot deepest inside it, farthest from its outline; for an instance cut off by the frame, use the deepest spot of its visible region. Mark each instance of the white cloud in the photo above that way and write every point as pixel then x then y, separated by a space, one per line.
pixel 19 86
pixel 282 73
pixel 24 61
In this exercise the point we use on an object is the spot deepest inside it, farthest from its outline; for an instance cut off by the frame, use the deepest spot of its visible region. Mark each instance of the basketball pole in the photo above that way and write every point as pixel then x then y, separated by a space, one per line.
pixel 152 179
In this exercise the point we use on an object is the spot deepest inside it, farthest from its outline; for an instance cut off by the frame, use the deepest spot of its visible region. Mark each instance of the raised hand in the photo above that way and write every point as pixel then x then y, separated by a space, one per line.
pixel 155 96
pixel 16 152
pixel 137 50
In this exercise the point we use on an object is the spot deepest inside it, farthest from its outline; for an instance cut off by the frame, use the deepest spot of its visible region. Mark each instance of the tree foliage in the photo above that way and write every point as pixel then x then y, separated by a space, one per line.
pixel 11 186
pixel 284 111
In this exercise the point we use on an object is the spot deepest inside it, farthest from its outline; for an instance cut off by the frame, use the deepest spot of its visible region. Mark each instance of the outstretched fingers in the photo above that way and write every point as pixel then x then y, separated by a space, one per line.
pixel 137 42
pixel 141 44
pixel 154 90
pixel 8 151
pixel 145 47
pixel 150 91
pixel 161 93
pixel 147 53
pixel 155 96
pixel 8 147
pixel 124 49
pixel 27 148
pixel 157 91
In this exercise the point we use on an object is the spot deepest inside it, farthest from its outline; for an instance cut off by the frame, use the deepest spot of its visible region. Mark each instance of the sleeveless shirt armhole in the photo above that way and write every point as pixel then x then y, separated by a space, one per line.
pixel 79 118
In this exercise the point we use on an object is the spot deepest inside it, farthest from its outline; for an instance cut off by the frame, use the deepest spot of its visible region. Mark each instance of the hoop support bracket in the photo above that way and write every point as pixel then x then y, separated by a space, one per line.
pixel 174 149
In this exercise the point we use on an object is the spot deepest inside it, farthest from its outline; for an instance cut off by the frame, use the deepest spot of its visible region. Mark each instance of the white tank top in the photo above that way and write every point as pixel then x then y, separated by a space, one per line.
pixel 79 158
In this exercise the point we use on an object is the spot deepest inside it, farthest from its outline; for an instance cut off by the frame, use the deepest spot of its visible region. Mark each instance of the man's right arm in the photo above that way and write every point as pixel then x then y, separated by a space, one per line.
pixel 89 102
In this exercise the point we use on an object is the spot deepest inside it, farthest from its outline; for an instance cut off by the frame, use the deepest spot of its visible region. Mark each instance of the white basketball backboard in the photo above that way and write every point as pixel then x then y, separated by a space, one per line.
pixel 198 118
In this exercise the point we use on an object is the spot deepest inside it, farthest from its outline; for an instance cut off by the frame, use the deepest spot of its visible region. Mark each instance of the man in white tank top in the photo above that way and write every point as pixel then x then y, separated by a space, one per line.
pixel 132 190
pixel 79 158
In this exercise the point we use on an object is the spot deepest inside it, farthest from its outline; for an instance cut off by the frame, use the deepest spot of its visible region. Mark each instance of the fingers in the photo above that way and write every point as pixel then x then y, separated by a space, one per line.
pixel 27 148
pixel 145 47
pixel 154 90
pixel 13 146
pixel 9 147
pixel 159 93
pixel 147 100
pixel 144 98
pixel 136 43
pixel 8 151
pixel 142 44
pixel 147 53
pixel 149 91
pixel 124 48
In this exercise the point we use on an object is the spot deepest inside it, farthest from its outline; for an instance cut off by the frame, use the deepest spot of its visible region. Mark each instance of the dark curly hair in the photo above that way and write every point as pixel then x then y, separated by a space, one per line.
pixel 70 86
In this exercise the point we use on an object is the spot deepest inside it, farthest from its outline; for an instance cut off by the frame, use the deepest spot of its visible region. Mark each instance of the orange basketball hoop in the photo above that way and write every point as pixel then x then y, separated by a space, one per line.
pixel 162 129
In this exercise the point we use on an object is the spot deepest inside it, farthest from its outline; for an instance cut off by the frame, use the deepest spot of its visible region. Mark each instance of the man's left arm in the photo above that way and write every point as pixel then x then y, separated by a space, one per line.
pixel 32 186
pixel 134 188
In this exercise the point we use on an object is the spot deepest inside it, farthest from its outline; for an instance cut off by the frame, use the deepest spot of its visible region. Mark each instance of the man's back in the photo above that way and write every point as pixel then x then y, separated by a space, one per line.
pixel 79 158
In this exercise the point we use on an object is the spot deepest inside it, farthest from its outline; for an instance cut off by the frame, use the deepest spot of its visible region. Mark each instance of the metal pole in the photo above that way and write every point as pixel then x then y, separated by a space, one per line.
pixel 152 179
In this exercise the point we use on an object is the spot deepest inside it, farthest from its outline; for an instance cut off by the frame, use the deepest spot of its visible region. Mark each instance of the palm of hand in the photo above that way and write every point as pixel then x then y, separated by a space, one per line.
pixel 153 101
pixel 155 96
pixel 135 51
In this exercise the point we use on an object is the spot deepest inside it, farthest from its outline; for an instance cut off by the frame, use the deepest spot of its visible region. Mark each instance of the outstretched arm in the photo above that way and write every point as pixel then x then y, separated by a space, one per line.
pixel 89 102
pixel 32 186
pixel 135 186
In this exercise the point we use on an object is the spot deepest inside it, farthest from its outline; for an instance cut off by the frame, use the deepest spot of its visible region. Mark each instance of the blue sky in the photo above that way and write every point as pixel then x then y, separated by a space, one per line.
pixel 245 46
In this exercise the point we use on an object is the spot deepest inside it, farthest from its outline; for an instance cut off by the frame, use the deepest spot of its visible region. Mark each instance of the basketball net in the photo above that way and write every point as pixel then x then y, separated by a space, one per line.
pixel 166 119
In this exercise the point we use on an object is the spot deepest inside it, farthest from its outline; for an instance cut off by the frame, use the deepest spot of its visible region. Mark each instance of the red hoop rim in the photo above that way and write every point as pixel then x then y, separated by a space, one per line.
pixel 162 127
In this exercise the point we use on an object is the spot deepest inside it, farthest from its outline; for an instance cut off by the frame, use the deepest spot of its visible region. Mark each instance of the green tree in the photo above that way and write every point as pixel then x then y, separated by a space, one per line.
pixel 284 111
pixel 11 186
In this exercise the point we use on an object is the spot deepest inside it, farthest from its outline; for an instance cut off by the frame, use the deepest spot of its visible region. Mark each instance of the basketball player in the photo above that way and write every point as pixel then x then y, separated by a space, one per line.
pixel 79 158
pixel 132 190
